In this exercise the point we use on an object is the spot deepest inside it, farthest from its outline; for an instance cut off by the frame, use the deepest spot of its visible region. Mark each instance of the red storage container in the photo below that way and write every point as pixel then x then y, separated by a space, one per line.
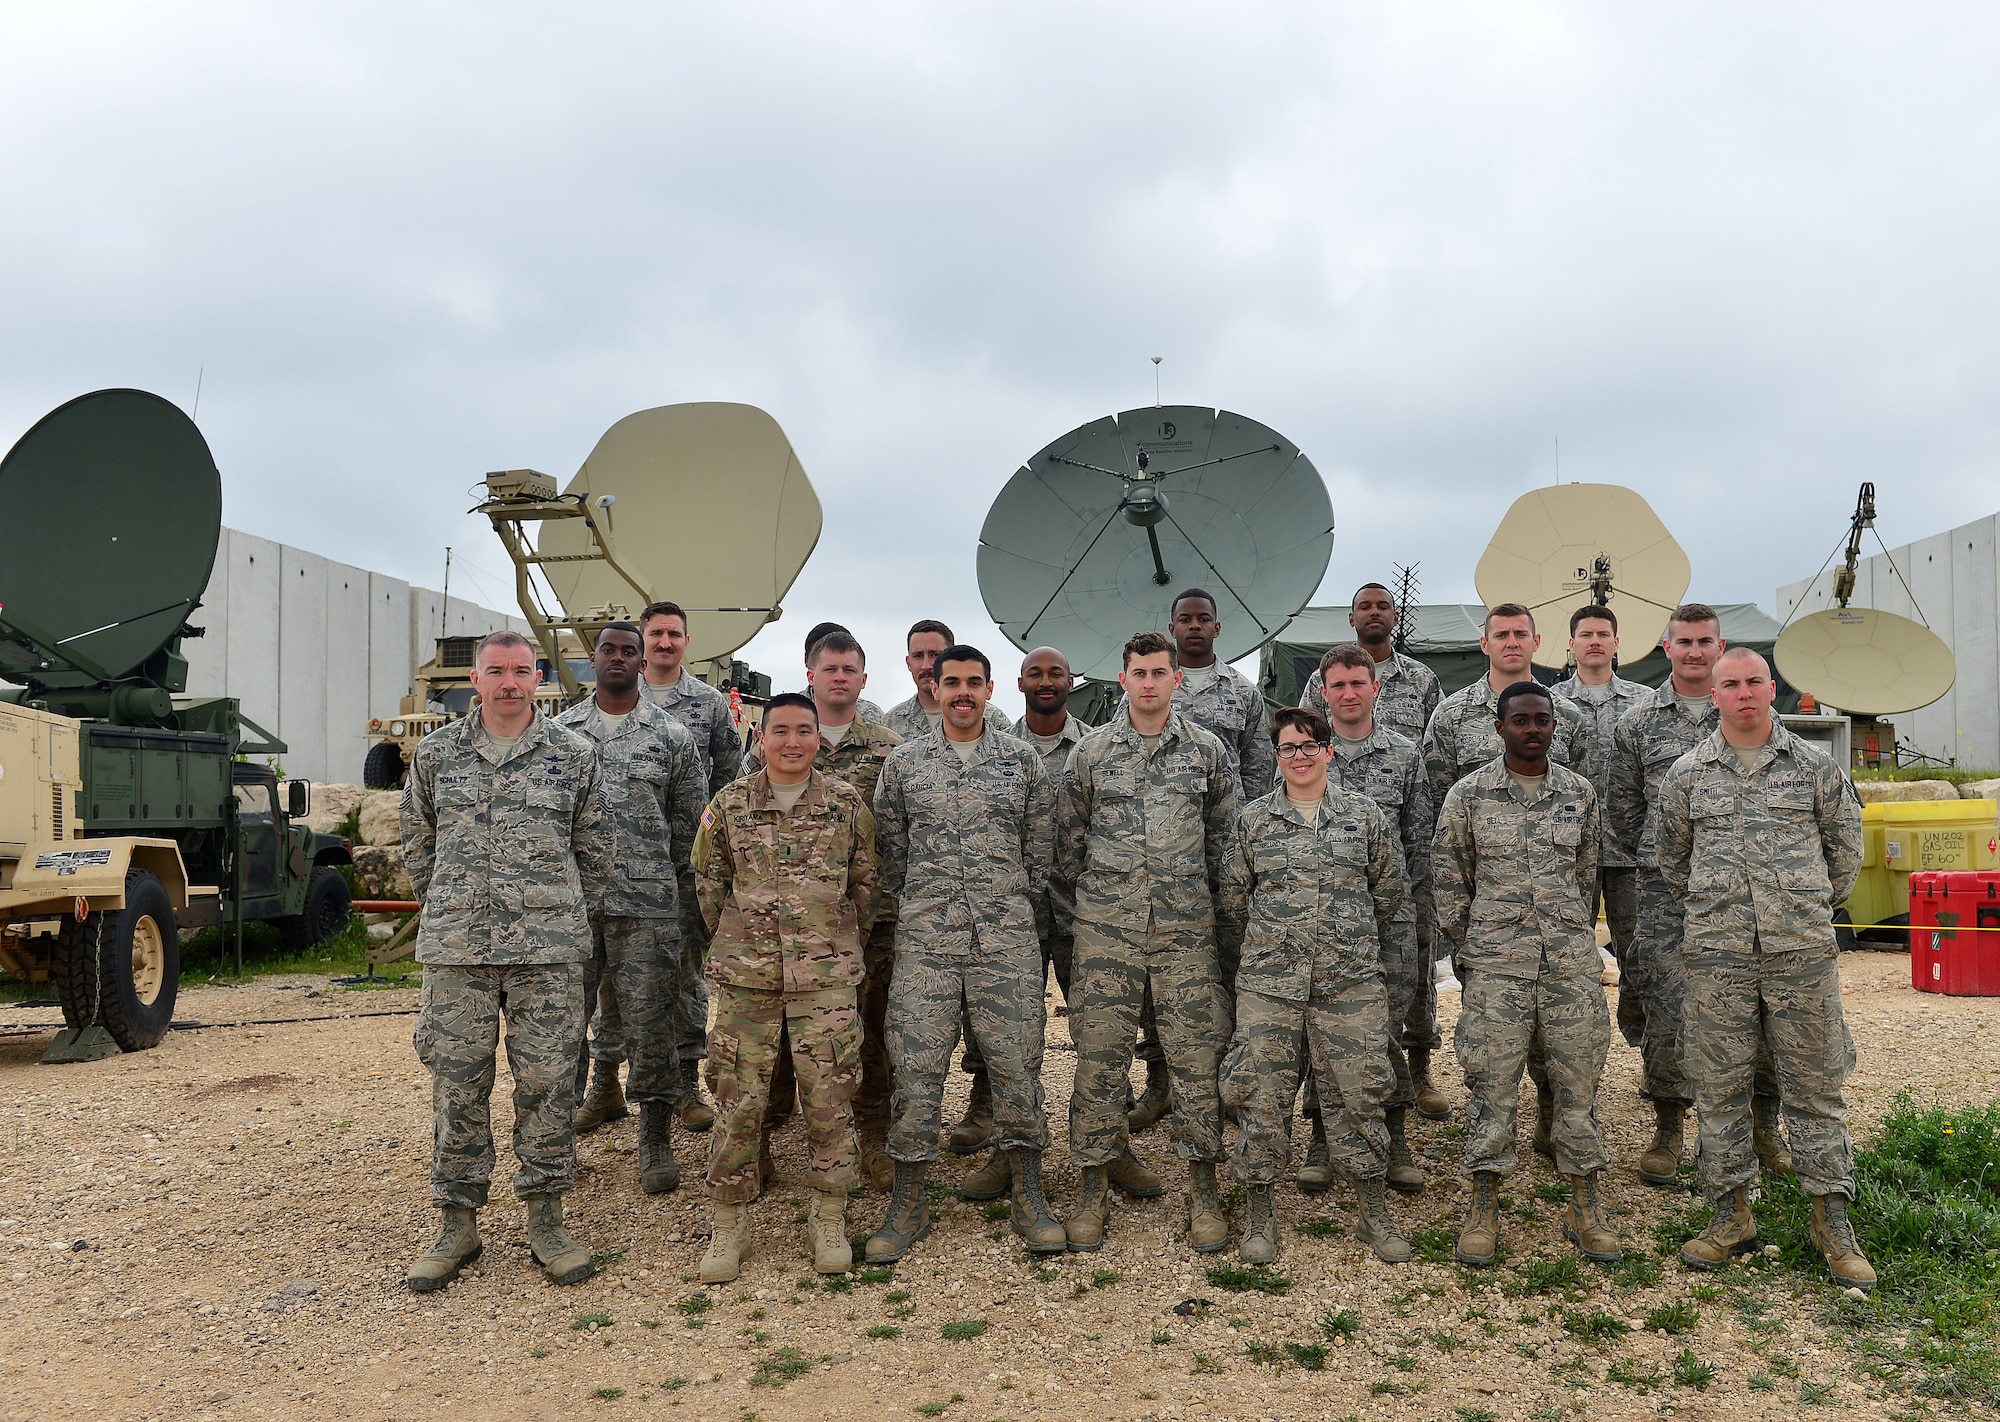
pixel 1955 933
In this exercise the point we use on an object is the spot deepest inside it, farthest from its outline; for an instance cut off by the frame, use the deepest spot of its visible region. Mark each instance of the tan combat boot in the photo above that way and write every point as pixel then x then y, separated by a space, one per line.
pixel 1403 1172
pixel 1375 1227
pixel 1208 1227
pixel 876 1166
pixel 604 1101
pixel 554 1247
pixel 1832 1234
pixel 1733 1231
pixel 1087 1222
pixel 1766 1139
pixel 1260 1231
pixel 1660 1163
pixel 826 1226
pixel 1032 1220
pixel 1545 1120
pixel 1479 1236
pixel 458 1244
pixel 974 1130
pixel 696 1114
pixel 1584 1223
pixel 1154 1102
pixel 1431 1104
pixel 909 1217
pixel 1316 1172
pixel 728 1243
pixel 989 1181
pixel 1130 1176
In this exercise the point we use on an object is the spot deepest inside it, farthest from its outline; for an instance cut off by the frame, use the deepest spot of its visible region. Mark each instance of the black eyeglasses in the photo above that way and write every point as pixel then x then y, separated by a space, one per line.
pixel 1291 750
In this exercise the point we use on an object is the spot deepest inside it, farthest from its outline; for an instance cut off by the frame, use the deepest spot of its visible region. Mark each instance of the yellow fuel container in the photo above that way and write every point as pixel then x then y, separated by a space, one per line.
pixel 1901 838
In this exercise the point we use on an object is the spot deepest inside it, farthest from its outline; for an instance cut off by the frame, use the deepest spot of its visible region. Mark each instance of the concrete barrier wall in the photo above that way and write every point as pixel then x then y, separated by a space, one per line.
pixel 1956 579
pixel 313 648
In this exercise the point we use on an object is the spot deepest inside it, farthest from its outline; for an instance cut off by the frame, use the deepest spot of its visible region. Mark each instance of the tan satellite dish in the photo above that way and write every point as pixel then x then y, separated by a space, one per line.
pixel 1573 545
pixel 709 508
pixel 1859 659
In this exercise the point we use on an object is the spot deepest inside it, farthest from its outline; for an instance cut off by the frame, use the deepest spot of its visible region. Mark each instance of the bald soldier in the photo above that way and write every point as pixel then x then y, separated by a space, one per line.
pixel 1759 841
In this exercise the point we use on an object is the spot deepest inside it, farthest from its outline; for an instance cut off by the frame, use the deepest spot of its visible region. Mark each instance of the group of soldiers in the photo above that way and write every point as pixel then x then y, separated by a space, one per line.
pixel 1248 902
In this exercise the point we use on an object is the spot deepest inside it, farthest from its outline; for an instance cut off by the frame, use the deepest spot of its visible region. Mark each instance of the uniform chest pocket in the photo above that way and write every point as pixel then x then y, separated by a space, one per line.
pixel 1567 832
pixel 554 796
pixel 457 792
pixel 1344 847
pixel 1790 801
pixel 1711 802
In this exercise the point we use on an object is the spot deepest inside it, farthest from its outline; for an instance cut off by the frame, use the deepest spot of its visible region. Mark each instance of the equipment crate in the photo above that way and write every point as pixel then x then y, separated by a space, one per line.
pixel 1955 933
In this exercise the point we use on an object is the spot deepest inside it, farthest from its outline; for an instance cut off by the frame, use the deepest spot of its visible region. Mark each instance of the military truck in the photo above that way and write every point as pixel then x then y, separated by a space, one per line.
pixel 129 812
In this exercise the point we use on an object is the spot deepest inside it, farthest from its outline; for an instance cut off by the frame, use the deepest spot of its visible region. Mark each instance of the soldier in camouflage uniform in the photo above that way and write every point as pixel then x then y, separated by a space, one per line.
pixel 785 869
pixel 1759 839
pixel 706 714
pixel 852 748
pixel 921 714
pixel 1459 740
pixel 1309 893
pixel 864 708
pixel 1514 867
pixel 964 822
pixel 1368 759
pixel 506 843
pixel 1409 690
pixel 653 788
pixel 1145 825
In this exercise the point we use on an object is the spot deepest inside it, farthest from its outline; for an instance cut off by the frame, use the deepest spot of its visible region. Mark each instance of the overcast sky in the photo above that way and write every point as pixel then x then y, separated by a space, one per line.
pixel 1738 258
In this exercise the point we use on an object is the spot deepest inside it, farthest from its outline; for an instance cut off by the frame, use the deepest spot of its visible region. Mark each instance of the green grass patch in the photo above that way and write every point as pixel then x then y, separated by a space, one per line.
pixel 963 1329
pixel 877 1275
pixel 1596 1326
pixel 1690 1371
pixel 1957 775
pixel 1310 1356
pixel 1246 1279
pixel 1476 1414
pixel 884 1330
pixel 592 1320
pixel 695 1304
pixel 780 1367
pixel 1105 1278
pixel 1206 1363
pixel 1674 1318
pixel 836 1283
pixel 209 957
pixel 1266 1354
pixel 1160 1335
pixel 1636 1271
pixel 607 1394
pixel 1561 1275
pixel 1626 1373
pixel 1320 1228
pixel 1340 1323
pixel 896 1296
pixel 1434 1246
pixel 997 1210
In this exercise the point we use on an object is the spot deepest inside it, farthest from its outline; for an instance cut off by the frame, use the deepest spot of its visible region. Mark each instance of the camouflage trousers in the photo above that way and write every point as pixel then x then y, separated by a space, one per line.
pixel 751 1028
pixel 1403 971
pixel 999 989
pixel 1653 977
pixel 1498 1019
pixel 1741 1007
pixel 1112 974
pixel 871 1097
pixel 1419 1022
pixel 632 967
pixel 1059 953
pixel 1618 897
pixel 1342 1024
pixel 690 1025
pixel 457 1039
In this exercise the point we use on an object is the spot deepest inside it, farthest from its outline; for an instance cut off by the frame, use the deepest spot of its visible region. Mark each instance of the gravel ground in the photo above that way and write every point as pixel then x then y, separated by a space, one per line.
pixel 219 1228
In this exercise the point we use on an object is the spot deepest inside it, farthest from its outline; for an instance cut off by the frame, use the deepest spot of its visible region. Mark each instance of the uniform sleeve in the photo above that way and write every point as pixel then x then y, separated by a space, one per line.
pixel 892 829
pixel 1385 874
pixel 1674 834
pixel 862 872
pixel 1073 806
pixel 1219 812
pixel 1038 842
pixel 714 865
pixel 1418 824
pixel 1256 753
pixel 753 760
pixel 1440 758
pixel 686 798
pixel 725 750
pixel 1232 899
pixel 1625 812
pixel 593 834
pixel 1313 698
pixel 1579 735
pixel 1454 866
pixel 419 816
pixel 1433 697
pixel 1587 852
pixel 1839 831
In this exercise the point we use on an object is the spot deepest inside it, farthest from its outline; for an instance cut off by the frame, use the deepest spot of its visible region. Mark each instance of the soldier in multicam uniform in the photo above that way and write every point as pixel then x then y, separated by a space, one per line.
pixel 1145 824
pixel 1407 695
pixel 1409 689
pixel 705 713
pixel 1460 740
pixel 506 842
pixel 852 748
pixel 1759 839
pixel 1367 758
pixel 1045 683
pixel 964 822
pixel 1309 891
pixel 785 869
pixel 651 779
pixel 1515 867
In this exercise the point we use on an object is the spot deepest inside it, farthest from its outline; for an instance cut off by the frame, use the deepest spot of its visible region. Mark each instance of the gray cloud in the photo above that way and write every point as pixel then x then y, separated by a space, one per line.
pixel 1737 260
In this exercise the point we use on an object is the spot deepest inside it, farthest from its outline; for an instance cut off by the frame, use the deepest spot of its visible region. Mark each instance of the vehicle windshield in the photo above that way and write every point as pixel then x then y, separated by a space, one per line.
pixel 253 802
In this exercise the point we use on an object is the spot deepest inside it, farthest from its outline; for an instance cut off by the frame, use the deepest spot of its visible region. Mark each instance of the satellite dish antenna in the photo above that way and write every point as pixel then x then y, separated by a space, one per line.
pixel 1860 659
pixel 1093 536
pixel 113 509
pixel 713 511
pixel 1585 545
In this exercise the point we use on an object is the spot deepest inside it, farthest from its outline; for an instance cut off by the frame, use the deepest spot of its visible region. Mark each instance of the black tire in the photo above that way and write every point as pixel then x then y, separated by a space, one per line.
pixel 142 936
pixel 1844 936
pixel 325 915
pixel 383 767
pixel 75 970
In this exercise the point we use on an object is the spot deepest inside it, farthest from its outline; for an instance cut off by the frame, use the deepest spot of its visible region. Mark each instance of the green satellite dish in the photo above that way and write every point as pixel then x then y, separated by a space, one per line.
pixel 1092 538
pixel 113 509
